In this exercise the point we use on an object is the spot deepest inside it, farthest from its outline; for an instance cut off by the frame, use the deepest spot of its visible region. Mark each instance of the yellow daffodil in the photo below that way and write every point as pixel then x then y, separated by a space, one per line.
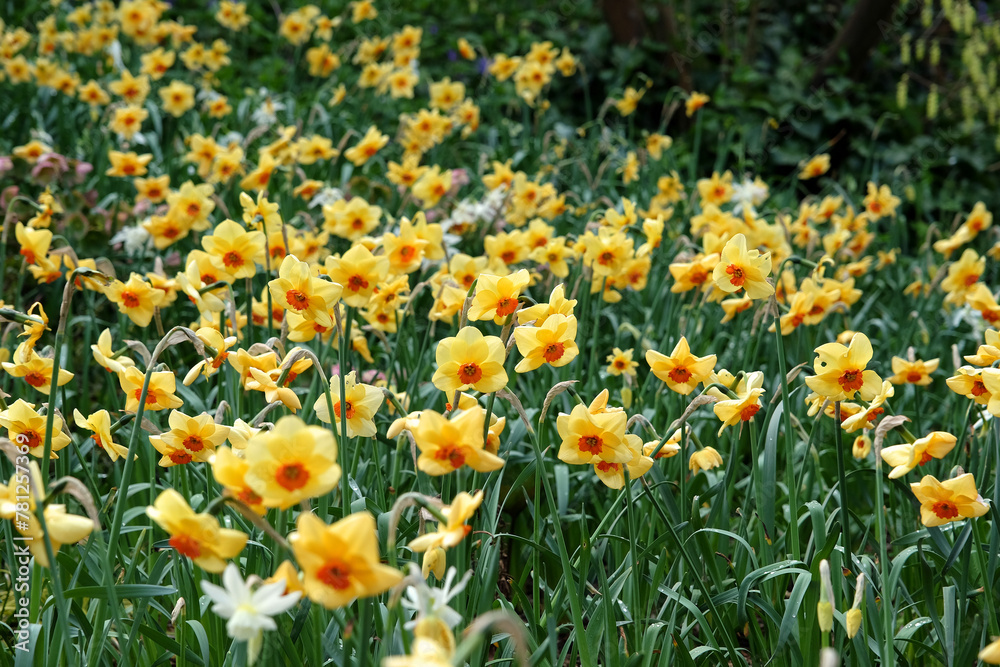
pixel 291 463
pixel 99 424
pixel 589 438
pixel 230 471
pixel 195 536
pixel 340 561
pixel 359 271
pixel 739 268
pixel 496 297
pixel 135 298
pixel 951 500
pixel 681 371
pixel 27 428
pixel 904 458
pixel 35 370
pixel 363 401
pixel 234 249
pixel 705 459
pixel 746 404
pixel 296 290
pixel 620 361
pixel 448 535
pixel 448 444
pixel 159 396
pixel 840 371
pixel 552 343
pixel 969 382
pixel 815 166
pixel 912 372
pixel 470 360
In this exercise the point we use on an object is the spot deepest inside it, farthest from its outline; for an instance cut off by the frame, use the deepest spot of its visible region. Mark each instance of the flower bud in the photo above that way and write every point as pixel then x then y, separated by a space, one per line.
pixel 862 447
pixel 434 561
pixel 436 630
pixel 824 612
pixel 824 609
pixel 853 620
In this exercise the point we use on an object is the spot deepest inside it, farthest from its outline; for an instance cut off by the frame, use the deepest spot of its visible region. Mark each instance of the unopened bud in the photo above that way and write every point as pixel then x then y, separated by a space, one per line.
pixel 862 447
pixel 853 621
pixel 824 612
pixel 434 561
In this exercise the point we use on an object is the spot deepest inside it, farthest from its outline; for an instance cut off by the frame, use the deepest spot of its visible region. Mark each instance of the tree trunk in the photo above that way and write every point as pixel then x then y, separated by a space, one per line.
pixel 870 22
pixel 625 19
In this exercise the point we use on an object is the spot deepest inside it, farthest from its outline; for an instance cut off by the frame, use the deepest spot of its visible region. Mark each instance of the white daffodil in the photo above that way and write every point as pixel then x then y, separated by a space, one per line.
pixel 249 612
pixel 430 602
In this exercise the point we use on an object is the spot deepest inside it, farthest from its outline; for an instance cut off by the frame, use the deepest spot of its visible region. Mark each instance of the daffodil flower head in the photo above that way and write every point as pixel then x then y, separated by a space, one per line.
pixel 248 612
pixel 840 371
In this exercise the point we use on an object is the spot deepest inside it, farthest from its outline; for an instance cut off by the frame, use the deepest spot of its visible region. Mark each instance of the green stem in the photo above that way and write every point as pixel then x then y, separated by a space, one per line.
pixel 572 591
pixel 888 623
pixel 57 592
pixel 845 518
pixel 988 592
pixel 786 416
pixel 638 611
pixel 489 415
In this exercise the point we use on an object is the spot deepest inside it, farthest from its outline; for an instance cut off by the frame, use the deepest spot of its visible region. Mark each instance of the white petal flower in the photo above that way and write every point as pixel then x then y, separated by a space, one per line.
pixel 249 611
pixel 433 602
